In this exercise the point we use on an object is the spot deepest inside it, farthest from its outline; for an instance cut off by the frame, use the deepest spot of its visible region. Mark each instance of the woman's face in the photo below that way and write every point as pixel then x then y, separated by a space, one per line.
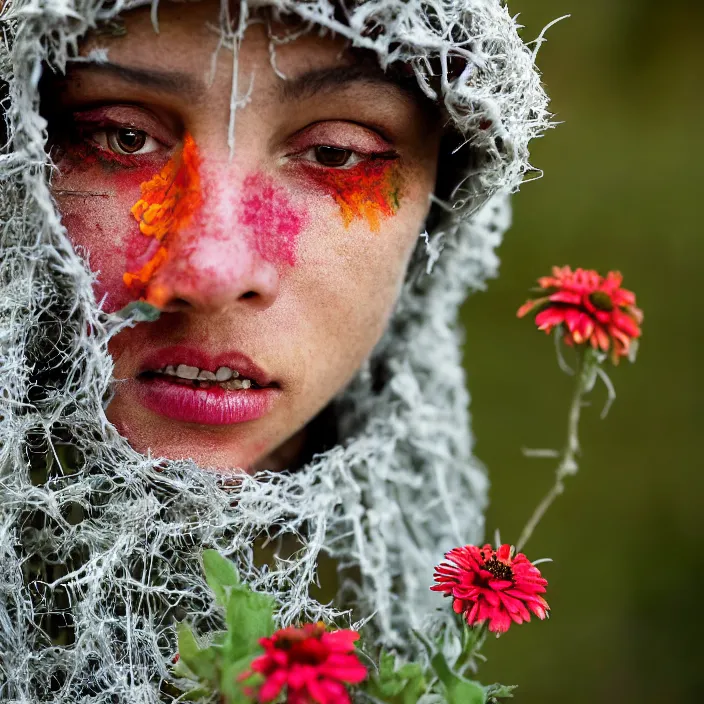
pixel 273 237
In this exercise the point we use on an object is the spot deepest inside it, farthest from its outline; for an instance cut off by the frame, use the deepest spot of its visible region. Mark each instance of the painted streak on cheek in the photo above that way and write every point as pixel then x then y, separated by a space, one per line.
pixel 167 204
pixel 272 223
pixel 370 190
pixel 102 226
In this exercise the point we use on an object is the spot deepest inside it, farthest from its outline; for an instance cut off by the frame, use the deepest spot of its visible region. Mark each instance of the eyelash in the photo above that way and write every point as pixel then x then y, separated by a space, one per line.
pixel 312 151
pixel 359 157
pixel 103 137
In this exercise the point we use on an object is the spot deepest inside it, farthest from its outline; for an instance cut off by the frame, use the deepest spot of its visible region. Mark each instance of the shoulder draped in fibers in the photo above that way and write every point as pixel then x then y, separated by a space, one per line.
pixel 99 544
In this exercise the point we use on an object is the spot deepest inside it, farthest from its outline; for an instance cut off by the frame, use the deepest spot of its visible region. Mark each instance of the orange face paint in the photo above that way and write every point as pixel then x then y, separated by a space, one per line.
pixel 370 190
pixel 167 204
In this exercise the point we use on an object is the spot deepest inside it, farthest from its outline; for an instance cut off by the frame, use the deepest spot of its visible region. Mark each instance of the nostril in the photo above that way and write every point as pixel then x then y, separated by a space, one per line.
pixel 180 303
pixel 249 294
pixel 174 305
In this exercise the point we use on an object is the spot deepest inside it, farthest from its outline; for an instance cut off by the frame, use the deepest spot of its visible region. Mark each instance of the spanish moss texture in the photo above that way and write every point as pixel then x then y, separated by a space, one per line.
pixel 100 545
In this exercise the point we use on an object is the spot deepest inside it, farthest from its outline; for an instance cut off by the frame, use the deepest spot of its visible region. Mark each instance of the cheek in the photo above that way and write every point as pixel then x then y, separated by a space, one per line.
pixel 95 197
pixel 105 230
pixel 369 191
pixel 272 223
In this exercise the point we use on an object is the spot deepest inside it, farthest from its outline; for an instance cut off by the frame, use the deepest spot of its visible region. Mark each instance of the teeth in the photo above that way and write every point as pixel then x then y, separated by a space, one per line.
pixel 225 374
pixel 226 377
pixel 186 372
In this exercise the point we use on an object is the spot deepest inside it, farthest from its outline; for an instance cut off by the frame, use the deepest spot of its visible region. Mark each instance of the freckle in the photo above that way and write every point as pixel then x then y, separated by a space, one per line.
pixel 273 223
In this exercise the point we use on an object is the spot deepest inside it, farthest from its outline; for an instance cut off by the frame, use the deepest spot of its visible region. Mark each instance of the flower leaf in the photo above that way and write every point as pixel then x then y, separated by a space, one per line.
pixel 466 692
pixel 230 685
pixel 221 575
pixel 139 312
pixel 199 694
pixel 458 689
pixel 250 616
pixel 202 662
pixel 500 691
pixel 397 685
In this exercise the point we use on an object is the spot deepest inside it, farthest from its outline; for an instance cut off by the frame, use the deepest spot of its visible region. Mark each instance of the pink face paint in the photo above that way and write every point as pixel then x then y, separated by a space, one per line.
pixel 150 215
pixel 273 223
pixel 95 190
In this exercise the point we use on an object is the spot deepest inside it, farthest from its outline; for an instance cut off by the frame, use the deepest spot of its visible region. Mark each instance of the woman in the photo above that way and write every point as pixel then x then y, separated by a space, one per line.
pixel 299 195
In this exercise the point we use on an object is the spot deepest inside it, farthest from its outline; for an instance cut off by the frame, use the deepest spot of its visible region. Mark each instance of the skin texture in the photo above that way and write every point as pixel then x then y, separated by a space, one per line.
pixel 271 253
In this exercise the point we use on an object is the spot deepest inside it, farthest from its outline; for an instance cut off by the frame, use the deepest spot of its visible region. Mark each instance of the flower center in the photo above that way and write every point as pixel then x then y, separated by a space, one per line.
pixel 601 300
pixel 292 636
pixel 499 569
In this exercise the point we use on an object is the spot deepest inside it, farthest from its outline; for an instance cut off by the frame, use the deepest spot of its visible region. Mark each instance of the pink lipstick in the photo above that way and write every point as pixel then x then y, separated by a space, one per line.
pixel 190 386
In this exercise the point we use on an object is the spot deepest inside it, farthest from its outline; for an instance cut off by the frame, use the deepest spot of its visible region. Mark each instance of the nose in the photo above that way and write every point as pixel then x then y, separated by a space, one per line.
pixel 212 260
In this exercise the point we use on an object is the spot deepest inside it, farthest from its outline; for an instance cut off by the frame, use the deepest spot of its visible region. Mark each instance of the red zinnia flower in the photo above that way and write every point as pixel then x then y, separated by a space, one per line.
pixel 593 309
pixel 311 663
pixel 490 584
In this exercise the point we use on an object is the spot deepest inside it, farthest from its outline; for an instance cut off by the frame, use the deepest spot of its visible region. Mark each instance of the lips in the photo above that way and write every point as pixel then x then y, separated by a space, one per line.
pixel 208 402
pixel 190 357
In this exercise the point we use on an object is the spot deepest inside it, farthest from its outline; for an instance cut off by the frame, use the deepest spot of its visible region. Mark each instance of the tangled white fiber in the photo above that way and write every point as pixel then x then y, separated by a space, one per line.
pixel 100 545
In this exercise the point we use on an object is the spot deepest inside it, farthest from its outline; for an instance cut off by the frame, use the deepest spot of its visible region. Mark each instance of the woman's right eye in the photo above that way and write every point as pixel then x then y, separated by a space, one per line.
pixel 125 141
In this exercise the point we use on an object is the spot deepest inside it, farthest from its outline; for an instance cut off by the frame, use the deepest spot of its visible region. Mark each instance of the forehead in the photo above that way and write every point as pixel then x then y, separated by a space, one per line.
pixel 193 45
pixel 192 56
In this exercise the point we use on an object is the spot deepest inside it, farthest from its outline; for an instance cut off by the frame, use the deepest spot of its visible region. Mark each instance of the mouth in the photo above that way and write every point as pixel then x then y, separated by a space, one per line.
pixel 225 378
pixel 189 386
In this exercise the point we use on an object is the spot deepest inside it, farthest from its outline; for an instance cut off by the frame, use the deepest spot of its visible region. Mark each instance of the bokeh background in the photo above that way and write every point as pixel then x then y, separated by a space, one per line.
pixel 622 190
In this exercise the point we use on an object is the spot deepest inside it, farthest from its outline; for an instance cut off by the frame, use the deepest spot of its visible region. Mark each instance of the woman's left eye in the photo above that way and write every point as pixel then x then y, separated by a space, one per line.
pixel 332 157
pixel 125 141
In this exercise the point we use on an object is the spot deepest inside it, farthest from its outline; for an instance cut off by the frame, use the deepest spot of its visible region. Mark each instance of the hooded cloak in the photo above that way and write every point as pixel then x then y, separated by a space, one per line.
pixel 100 545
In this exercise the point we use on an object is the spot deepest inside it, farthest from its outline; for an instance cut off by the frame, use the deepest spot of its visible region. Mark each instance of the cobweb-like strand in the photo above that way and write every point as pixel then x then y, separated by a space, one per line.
pixel 100 545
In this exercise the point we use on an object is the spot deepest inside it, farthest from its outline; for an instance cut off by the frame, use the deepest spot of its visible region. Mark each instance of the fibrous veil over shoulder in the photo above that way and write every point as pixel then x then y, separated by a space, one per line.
pixel 100 545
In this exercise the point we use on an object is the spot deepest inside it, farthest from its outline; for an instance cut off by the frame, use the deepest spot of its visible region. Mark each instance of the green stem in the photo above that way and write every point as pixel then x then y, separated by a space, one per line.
pixel 568 458
pixel 473 640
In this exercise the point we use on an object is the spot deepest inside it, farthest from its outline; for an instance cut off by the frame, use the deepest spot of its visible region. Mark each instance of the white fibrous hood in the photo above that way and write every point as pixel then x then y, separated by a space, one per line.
pixel 100 545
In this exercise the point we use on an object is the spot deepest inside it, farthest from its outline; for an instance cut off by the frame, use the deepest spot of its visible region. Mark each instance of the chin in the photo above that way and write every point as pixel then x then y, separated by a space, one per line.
pixel 224 450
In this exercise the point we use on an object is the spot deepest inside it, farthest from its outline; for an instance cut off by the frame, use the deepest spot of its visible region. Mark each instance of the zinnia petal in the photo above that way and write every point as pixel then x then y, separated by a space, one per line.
pixel 549 318
pixel 505 589
pixel 595 311
pixel 271 688
pixel 311 663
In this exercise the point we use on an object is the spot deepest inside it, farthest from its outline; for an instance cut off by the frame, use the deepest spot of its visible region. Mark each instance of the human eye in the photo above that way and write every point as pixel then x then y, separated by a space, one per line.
pixel 125 141
pixel 121 133
pixel 339 145
pixel 332 157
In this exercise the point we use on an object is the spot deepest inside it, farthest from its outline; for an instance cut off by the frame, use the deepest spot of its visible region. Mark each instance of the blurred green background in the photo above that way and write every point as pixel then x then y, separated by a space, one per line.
pixel 622 190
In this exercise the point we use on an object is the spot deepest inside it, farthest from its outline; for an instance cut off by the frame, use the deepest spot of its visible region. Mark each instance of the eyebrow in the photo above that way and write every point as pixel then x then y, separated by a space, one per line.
pixel 323 80
pixel 168 81
pixel 301 87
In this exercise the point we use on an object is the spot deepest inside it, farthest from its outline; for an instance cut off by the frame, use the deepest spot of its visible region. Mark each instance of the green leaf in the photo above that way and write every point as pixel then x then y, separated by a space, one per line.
pixel 500 691
pixel 429 647
pixel 202 662
pixel 230 686
pixel 250 616
pixel 197 695
pixel 221 574
pixel 458 689
pixel 139 312
pixel 466 692
pixel 397 685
